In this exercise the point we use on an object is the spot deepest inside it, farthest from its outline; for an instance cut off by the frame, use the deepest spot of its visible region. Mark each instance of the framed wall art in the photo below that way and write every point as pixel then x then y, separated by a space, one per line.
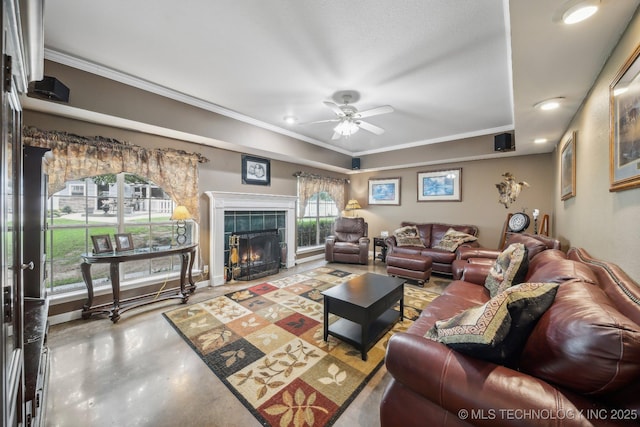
pixel 440 186
pixel 101 244
pixel 255 170
pixel 624 140
pixel 384 191
pixel 568 168
pixel 124 242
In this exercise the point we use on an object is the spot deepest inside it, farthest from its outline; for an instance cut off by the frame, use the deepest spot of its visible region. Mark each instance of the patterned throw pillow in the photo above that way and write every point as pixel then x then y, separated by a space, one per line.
pixel 509 269
pixel 497 331
pixel 452 239
pixel 408 236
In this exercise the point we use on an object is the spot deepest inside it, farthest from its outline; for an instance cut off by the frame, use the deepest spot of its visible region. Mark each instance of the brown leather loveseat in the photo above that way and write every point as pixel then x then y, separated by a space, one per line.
pixel 580 364
pixel 430 235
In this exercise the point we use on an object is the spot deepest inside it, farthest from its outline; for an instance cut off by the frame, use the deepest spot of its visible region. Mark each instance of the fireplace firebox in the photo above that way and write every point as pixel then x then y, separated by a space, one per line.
pixel 258 254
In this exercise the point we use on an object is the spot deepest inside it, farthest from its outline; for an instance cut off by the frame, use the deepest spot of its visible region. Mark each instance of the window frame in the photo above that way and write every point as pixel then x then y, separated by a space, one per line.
pixel 318 208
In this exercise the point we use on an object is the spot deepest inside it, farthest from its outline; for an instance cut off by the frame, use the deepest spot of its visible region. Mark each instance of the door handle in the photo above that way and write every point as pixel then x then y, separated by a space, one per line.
pixel 27 266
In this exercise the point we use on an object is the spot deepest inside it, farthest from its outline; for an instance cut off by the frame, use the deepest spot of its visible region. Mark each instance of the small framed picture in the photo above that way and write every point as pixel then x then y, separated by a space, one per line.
pixel 101 244
pixel 255 170
pixel 384 191
pixel 124 242
pixel 568 169
pixel 440 186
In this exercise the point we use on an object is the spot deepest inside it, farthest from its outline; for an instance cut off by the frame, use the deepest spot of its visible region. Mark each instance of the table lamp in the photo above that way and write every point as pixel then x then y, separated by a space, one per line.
pixel 352 205
pixel 180 216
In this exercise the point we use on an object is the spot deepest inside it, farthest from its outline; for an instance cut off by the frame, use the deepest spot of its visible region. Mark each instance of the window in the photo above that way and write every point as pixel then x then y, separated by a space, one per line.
pixel 320 213
pixel 107 204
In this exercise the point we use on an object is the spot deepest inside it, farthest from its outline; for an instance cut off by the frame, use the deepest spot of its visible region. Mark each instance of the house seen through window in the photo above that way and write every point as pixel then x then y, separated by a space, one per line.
pixel 104 206
pixel 320 213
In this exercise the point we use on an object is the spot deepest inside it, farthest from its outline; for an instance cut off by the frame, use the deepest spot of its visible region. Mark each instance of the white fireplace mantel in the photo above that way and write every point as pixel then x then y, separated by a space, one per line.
pixel 221 201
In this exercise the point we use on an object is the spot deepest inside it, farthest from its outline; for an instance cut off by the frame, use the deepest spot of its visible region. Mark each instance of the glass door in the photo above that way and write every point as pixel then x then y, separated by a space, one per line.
pixel 12 394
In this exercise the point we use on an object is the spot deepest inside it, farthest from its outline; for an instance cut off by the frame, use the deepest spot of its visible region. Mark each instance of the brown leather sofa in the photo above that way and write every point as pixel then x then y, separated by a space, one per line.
pixel 580 365
pixel 348 242
pixel 535 243
pixel 431 234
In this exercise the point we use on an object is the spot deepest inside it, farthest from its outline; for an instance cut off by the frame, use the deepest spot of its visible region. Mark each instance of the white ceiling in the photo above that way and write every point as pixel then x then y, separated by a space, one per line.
pixel 450 68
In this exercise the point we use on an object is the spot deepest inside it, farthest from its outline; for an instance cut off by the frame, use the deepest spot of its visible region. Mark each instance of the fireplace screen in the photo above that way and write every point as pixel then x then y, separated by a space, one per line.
pixel 258 254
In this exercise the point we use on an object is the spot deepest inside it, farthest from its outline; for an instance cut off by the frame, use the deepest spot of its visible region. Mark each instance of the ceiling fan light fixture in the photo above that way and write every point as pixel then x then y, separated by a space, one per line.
pixel 346 128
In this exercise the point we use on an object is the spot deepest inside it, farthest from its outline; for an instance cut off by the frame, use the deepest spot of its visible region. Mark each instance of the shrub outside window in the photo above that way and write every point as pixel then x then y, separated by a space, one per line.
pixel 319 215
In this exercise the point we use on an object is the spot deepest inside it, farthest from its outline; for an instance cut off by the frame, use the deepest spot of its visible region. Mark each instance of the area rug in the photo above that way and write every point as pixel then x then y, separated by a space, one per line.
pixel 266 345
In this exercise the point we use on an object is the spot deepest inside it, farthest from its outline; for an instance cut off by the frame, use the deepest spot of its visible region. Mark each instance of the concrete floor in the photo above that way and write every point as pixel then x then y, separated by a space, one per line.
pixel 140 372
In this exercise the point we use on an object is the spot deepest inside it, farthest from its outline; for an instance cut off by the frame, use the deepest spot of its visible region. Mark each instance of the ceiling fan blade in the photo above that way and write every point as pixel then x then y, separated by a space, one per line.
pixel 334 107
pixel 319 121
pixel 335 136
pixel 376 111
pixel 369 127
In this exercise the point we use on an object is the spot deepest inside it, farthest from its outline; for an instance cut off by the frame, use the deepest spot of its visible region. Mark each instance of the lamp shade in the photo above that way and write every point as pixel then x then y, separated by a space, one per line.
pixel 352 205
pixel 180 213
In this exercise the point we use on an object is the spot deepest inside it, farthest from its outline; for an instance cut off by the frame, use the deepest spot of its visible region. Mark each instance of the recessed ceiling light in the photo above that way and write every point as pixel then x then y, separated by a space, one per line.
pixel 549 104
pixel 540 140
pixel 290 120
pixel 579 10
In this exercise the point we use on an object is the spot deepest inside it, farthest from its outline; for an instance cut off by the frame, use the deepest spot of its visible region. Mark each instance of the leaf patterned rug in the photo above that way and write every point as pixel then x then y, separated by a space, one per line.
pixel 266 345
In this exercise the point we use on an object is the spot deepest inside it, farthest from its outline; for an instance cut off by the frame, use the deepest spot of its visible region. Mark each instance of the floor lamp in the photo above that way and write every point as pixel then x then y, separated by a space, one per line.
pixel 352 205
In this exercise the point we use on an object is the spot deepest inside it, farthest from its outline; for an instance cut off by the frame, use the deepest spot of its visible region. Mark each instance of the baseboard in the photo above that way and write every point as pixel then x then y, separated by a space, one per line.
pixel 310 258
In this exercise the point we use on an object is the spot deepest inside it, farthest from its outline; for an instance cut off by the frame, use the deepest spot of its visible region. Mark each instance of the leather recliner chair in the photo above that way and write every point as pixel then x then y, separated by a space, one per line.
pixel 348 242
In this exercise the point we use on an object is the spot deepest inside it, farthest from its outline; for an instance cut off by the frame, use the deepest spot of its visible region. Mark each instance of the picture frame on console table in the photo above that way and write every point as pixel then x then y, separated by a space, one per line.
pixel 624 139
pixel 440 186
pixel 384 191
pixel 101 244
pixel 256 170
pixel 568 168
pixel 124 242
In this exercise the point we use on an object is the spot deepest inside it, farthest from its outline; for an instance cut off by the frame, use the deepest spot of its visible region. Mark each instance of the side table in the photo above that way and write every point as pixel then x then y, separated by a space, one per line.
pixel 379 242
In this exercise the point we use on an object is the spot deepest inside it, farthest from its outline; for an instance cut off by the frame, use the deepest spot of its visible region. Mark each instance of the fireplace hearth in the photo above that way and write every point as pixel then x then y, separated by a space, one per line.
pixel 258 254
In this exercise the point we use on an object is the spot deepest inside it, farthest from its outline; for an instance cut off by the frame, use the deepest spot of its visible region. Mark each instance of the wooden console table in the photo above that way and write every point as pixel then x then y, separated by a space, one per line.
pixel 114 259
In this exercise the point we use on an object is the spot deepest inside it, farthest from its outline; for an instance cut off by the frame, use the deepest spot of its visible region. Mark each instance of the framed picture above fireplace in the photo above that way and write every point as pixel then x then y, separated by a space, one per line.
pixel 255 170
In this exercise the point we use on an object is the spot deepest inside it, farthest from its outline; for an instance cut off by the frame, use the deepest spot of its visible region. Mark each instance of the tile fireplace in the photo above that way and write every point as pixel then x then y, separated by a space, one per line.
pixel 221 202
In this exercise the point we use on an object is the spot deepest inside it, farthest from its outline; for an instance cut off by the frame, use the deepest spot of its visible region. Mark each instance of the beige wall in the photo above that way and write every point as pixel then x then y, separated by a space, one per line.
pixel 479 205
pixel 221 173
pixel 606 224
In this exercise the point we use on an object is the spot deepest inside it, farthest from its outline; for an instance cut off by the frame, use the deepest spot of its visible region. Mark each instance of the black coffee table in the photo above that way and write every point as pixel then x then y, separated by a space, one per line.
pixel 365 305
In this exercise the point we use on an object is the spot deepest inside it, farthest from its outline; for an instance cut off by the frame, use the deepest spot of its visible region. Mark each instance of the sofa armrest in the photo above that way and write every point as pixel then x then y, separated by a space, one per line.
pixel 460 383
pixel 476 272
pixel 466 252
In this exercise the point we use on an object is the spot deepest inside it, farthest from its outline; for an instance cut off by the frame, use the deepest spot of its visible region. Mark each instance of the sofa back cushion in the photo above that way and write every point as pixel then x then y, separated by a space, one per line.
pixel 534 246
pixel 583 343
pixel 560 271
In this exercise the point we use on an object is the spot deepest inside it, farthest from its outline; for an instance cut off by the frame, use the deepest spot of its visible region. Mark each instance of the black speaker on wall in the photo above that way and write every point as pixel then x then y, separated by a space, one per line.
pixel 51 88
pixel 355 163
pixel 503 142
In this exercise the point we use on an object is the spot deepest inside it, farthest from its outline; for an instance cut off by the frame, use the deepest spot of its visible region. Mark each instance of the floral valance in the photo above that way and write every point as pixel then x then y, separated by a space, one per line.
pixel 76 157
pixel 310 184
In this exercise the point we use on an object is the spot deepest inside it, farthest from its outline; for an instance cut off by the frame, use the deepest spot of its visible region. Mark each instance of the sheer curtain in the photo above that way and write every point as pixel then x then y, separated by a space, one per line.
pixel 310 184
pixel 76 157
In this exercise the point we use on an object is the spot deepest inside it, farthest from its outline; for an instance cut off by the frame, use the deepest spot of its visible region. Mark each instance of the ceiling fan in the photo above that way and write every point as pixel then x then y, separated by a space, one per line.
pixel 348 116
